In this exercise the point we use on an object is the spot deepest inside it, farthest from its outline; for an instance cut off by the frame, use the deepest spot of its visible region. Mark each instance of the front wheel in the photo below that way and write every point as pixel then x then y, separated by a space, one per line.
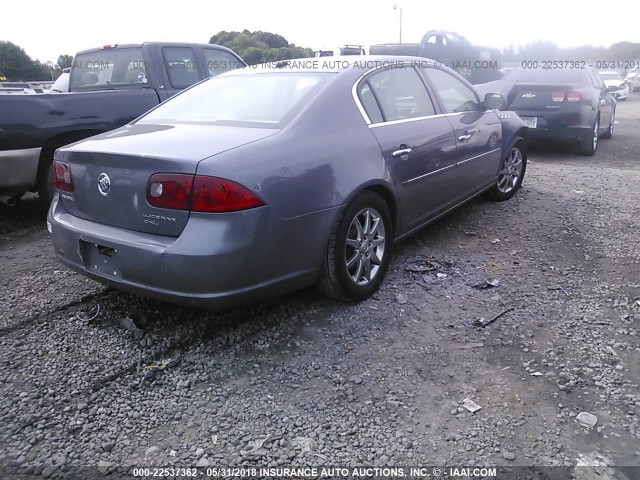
pixel 609 132
pixel 359 250
pixel 511 174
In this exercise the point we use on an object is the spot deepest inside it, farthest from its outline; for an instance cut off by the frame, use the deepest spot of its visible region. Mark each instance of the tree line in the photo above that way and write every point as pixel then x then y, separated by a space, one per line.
pixel 16 65
pixel 259 47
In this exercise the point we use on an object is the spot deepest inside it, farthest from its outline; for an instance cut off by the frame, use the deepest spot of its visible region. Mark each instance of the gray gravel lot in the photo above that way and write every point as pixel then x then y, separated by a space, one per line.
pixel 303 381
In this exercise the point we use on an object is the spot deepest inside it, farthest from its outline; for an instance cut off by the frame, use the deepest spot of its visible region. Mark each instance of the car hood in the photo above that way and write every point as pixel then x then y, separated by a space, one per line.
pixel 181 142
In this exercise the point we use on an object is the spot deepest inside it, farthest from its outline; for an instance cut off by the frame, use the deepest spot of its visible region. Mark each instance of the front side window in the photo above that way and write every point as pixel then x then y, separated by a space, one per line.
pixel 252 100
pixel 181 66
pixel 400 94
pixel 455 96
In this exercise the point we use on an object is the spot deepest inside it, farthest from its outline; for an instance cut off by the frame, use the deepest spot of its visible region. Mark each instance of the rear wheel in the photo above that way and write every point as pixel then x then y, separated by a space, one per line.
pixel 589 145
pixel 359 250
pixel 511 174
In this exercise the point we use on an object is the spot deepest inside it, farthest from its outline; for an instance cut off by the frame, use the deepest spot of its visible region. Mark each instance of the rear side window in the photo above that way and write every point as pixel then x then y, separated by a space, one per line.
pixel 108 68
pixel 181 66
pixel 219 61
pixel 369 103
pixel 455 96
pixel 597 80
pixel 400 94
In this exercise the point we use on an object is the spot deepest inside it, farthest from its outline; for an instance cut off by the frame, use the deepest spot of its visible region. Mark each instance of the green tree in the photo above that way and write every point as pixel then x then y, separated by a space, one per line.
pixel 258 47
pixel 16 65
pixel 64 61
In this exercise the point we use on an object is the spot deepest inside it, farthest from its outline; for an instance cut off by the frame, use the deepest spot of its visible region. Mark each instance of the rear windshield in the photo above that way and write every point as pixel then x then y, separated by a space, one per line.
pixel 107 69
pixel 571 76
pixel 261 99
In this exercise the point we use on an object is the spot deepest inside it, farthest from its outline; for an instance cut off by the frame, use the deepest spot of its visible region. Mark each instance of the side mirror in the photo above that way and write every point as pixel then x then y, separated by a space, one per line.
pixel 494 100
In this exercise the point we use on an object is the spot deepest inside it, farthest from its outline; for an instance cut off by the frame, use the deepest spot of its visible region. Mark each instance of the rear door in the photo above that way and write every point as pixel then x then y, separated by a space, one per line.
pixel 606 102
pixel 478 133
pixel 182 67
pixel 417 144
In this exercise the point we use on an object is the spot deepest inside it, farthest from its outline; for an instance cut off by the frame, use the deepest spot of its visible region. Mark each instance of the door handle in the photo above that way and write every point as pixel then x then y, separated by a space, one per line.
pixel 402 152
pixel 467 135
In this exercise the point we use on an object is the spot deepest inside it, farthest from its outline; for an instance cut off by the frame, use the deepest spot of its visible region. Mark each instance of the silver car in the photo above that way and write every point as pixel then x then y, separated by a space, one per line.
pixel 266 180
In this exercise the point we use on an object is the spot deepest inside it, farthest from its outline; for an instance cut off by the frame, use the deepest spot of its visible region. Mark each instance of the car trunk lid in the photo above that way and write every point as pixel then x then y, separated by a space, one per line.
pixel 540 97
pixel 111 172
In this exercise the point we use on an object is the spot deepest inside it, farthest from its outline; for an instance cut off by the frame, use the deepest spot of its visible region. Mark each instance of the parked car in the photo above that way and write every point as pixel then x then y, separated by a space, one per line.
pixel 62 82
pixel 476 64
pixel 200 200
pixel 340 51
pixel 108 87
pixel 615 84
pixel 632 79
pixel 567 105
pixel 16 88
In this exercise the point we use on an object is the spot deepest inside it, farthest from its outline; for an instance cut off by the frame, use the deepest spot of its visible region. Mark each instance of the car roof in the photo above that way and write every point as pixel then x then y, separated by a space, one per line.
pixel 119 46
pixel 336 64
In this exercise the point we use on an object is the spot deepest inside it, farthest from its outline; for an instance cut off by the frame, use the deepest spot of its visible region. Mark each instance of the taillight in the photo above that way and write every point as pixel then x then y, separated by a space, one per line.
pixel 62 178
pixel 170 190
pixel 574 96
pixel 213 194
pixel 198 193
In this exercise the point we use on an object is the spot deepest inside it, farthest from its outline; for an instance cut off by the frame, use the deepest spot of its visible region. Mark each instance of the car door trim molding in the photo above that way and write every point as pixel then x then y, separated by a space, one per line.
pixel 478 156
pixel 420 177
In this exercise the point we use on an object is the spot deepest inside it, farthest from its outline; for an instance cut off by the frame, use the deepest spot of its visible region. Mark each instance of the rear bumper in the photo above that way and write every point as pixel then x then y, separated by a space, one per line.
pixel 219 261
pixel 19 168
pixel 565 134
pixel 560 126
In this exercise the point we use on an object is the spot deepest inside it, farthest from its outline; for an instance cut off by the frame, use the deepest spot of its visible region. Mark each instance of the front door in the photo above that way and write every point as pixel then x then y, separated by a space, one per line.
pixel 418 145
pixel 478 132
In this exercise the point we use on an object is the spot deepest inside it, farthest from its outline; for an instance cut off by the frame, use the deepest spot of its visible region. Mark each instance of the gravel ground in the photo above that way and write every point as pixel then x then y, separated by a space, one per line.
pixel 302 381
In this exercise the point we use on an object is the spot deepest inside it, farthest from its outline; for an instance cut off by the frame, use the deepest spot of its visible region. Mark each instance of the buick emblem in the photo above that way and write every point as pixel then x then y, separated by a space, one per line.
pixel 104 184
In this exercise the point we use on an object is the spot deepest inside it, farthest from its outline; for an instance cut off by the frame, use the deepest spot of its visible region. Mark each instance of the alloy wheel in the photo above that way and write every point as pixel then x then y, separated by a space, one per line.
pixel 511 171
pixel 365 246
pixel 596 127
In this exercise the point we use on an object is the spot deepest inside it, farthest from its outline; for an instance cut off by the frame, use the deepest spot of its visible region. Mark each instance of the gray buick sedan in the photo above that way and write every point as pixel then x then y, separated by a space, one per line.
pixel 266 180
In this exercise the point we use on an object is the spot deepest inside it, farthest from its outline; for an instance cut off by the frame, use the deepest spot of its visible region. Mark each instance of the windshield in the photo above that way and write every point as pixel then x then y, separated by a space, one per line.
pixel 109 68
pixel 610 76
pixel 262 99
pixel 539 75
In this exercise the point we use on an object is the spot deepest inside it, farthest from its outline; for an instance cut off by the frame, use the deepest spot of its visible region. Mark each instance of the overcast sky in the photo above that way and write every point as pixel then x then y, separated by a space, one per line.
pixel 48 29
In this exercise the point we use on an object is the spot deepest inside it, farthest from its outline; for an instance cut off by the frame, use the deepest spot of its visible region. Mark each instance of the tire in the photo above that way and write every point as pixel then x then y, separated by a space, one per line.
pixel 511 174
pixel 589 145
pixel 612 127
pixel 349 283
